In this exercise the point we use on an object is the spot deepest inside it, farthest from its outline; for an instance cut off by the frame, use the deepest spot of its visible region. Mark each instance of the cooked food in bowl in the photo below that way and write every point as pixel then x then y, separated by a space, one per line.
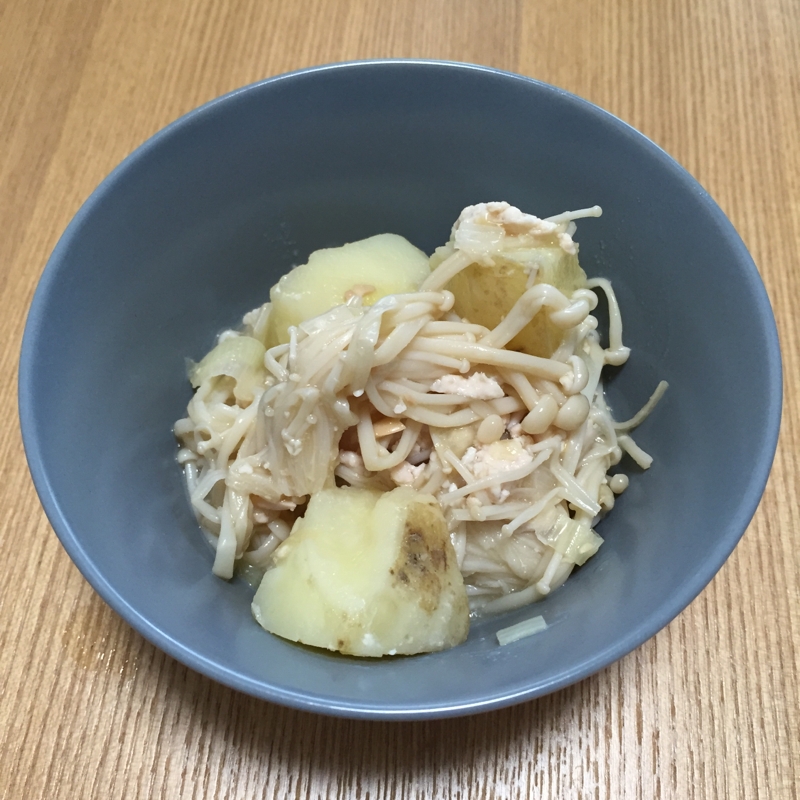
pixel 396 442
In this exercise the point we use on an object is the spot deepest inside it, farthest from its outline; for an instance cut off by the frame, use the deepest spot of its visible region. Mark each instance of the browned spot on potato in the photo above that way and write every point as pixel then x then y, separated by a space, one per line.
pixel 422 560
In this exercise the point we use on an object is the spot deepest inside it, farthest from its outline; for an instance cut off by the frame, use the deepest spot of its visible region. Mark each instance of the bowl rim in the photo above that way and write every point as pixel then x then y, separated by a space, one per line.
pixel 194 659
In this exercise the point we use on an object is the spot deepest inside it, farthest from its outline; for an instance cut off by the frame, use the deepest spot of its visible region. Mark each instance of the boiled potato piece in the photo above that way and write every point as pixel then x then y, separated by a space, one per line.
pixel 374 267
pixel 368 574
pixel 237 357
pixel 485 294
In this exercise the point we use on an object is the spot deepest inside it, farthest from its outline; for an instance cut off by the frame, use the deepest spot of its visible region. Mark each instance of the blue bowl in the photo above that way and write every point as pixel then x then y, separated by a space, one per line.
pixel 190 232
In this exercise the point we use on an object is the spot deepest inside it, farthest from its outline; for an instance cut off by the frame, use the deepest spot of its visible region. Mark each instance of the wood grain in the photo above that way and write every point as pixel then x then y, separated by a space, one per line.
pixel 709 708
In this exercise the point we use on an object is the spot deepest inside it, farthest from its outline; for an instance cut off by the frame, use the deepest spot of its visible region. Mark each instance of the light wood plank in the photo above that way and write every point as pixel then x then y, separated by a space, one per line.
pixel 709 708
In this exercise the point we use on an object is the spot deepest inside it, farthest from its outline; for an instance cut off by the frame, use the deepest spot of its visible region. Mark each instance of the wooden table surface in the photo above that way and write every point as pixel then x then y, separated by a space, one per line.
pixel 709 708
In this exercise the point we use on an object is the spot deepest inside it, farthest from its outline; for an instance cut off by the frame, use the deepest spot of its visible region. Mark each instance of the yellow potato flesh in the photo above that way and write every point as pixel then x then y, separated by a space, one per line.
pixel 374 267
pixel 368 574
pixel 485 294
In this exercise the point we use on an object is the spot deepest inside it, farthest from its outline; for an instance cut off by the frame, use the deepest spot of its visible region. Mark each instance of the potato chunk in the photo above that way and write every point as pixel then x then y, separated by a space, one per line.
pixel 374 267
pixel 485 294
pixel 368 574
pixel 510 251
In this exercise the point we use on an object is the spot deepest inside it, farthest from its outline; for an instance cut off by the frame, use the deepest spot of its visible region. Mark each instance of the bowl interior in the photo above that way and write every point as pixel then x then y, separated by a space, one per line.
pixel 192 230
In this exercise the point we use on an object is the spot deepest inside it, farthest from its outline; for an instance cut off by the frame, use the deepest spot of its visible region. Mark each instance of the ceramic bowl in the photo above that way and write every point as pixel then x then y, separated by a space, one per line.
pixel 193 228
